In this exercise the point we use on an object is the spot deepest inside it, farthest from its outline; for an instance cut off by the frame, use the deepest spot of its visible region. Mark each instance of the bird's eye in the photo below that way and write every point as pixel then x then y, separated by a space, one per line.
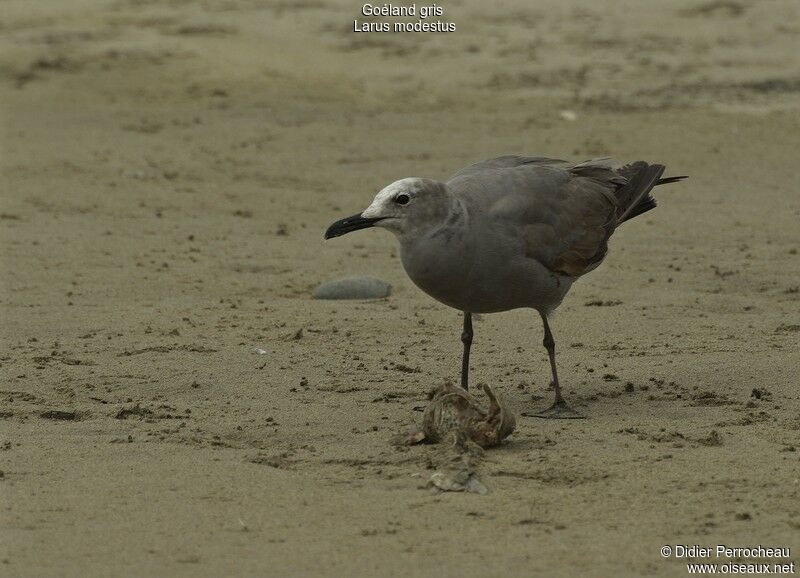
pixel 402 199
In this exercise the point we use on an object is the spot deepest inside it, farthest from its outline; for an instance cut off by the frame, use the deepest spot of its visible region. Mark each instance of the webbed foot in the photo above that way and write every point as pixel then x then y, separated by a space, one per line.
pixel 559 410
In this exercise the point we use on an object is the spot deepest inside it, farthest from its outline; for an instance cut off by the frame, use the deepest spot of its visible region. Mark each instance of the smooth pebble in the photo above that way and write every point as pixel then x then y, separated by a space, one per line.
pixel 353 288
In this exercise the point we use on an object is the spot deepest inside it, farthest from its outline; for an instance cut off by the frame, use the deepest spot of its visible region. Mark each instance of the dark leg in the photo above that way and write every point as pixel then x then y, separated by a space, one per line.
pixel 466 339
pixel 559 409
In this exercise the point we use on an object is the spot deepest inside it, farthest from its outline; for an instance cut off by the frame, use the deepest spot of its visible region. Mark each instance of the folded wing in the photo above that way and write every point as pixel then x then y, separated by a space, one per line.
pixel 564 213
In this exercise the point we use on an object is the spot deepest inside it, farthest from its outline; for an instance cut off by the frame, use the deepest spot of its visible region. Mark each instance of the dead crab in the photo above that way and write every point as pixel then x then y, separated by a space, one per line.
pixel 453 409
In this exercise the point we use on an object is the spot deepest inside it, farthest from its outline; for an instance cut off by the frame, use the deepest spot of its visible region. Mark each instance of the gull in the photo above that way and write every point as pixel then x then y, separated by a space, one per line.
pixel 508 233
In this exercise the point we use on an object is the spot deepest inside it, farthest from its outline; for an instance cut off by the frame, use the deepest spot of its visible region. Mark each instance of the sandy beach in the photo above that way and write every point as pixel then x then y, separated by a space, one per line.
pixel 174 402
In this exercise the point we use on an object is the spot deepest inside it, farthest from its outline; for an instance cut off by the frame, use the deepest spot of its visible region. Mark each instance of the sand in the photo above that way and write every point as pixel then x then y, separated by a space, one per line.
pixel 168 169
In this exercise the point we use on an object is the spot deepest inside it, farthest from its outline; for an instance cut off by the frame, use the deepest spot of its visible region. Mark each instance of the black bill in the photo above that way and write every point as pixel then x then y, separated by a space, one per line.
pixel 348 225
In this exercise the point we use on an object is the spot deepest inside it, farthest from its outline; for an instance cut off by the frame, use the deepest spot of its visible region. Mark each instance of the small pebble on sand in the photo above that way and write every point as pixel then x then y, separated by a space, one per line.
pixel 353 288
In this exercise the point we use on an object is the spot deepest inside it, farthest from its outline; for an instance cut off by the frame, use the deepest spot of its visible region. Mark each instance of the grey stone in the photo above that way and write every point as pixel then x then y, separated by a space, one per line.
pixel 353 288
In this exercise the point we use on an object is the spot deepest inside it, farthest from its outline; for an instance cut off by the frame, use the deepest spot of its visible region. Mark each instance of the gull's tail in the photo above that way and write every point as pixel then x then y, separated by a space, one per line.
pixel 634 198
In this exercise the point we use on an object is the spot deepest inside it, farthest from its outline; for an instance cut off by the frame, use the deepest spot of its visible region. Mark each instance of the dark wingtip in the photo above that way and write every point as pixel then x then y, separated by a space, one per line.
pixel 667 180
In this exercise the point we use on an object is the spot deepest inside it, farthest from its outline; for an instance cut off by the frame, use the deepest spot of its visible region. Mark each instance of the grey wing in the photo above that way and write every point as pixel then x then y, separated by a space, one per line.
pixel 563 214
pixel 505 162
pixel 569 233
pixel 566 214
